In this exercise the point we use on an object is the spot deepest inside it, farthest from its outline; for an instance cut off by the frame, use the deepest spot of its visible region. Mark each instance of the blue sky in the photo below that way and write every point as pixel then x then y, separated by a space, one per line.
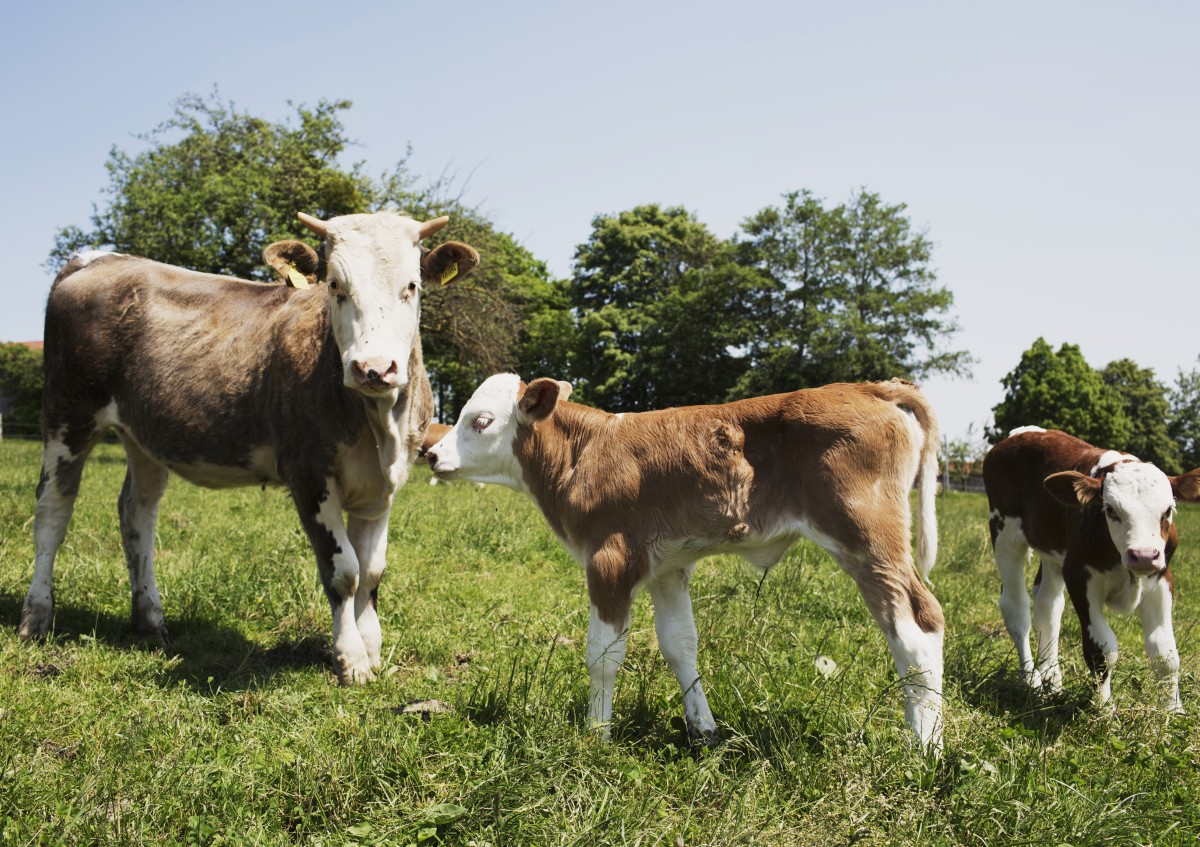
pixel 1050 149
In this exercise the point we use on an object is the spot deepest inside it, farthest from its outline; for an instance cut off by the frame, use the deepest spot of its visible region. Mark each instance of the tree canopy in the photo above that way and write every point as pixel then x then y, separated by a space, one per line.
pixel 21 382
pixel 1060 390
pixel 1184 416
pixel 1144 401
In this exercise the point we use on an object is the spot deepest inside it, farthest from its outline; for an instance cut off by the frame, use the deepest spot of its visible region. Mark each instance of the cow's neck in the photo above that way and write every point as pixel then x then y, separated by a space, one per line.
pixel 550 453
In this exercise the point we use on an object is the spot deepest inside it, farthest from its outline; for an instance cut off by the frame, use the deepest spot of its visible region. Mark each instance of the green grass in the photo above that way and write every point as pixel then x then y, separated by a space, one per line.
pixel 239 734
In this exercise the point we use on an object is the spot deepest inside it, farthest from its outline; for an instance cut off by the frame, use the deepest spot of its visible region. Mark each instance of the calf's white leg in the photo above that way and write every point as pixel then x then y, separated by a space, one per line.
pixel 1012 553
pixel 1049 600
pixel 369 539
pixel 676 630
pixel 145 482
pixel 1155 612
pixel 1087 589
pixel 605 653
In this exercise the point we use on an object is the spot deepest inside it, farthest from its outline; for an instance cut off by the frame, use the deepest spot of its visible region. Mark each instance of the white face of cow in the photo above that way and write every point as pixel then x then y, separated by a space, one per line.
pixel 374 277
pixel 1139 507
pixel 480 446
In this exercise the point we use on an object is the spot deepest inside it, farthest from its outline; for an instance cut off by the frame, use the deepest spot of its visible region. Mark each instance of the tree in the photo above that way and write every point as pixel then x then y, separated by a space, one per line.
pixel 21 383
pixel 842 294
pixel 1144 401
pixel 1184 416
pixel 1061 391
pixel 655 308
pixel 217 185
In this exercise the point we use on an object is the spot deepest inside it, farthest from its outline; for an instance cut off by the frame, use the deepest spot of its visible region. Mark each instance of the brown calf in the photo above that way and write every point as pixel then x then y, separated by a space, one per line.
pixel 1103 525
pixel 639 498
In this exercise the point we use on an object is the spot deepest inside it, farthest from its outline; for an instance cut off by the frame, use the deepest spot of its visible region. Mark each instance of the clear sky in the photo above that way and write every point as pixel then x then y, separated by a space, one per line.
pixel 1050 149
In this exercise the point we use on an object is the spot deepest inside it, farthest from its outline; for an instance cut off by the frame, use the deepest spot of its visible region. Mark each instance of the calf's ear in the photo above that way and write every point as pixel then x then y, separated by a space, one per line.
pixel 448 262
pixel 540 397
pixel 295 261
pixel 1072 488
pixel 1186 486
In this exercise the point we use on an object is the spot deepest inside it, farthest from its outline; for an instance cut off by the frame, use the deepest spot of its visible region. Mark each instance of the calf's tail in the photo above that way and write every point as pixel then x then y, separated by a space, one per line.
pixel 909 397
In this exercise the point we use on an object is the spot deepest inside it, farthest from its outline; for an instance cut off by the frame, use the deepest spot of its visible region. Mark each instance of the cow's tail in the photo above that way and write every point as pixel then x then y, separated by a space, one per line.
pixel 909 397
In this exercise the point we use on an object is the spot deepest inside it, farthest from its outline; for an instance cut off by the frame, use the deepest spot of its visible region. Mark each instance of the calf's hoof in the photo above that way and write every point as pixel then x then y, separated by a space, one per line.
pixel 702 738
pixel 35 621
pixel 359 675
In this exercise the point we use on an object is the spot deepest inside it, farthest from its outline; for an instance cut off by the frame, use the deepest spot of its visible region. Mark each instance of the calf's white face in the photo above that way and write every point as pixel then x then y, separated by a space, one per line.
pixel 480 446
pixel 1139 507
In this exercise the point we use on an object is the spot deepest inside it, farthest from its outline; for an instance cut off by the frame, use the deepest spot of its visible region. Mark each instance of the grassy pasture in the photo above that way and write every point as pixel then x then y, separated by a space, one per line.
pixel 238 733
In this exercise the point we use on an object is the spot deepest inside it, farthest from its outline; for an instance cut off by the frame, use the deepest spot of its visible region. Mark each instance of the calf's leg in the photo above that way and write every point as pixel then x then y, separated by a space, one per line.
pixel 64 453
pixel 1011 551
pixel 320 511
pixel 613 572
pixel 1099 641
pixel 369 539
pixel 1155 612
pixel 676 629
pixel 145 482
pixel 1049 600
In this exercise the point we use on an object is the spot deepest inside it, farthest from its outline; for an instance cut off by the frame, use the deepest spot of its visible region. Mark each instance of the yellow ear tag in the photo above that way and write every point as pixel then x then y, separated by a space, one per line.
pixel 297 279
pixel 450 273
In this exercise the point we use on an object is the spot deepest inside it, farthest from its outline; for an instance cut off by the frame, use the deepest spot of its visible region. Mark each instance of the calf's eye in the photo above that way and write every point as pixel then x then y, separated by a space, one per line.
pixel 481 423
pixel 1110 513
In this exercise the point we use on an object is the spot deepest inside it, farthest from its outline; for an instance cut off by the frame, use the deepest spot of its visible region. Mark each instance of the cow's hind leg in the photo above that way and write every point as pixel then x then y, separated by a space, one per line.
pixel 145 482
pixel 676 630
pixel 1157 628
pixel 320 509
pixel 369 539
pixel 65 451
pixel 1012 554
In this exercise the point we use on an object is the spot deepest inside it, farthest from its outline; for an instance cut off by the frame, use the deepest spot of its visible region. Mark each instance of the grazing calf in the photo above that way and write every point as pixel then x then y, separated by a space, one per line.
pixel 228 382
pixel 1103 523
pixel 639 498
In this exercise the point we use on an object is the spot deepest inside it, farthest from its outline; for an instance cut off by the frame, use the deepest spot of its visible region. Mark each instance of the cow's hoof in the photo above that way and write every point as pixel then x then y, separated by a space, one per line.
pixel 356 676
pixel 35 622
pixel 703 739
pixel 154 634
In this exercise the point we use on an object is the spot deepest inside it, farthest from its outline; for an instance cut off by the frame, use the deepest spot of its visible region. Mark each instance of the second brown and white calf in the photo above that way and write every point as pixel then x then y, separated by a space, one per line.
pixel 1103 523
pixel 639 498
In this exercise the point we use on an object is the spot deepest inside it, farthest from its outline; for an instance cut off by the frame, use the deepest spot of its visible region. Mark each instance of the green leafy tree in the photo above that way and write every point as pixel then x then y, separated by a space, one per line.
pixel 1144 401
pixel 1060 390
pixel 653 295
pixel 21 381
pixel 217 185
pixel 841 294
pixel 1184 416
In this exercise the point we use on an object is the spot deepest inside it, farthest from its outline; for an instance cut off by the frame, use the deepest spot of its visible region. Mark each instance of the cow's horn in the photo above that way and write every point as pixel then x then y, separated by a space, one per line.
pixel 315 224
pixel 430 227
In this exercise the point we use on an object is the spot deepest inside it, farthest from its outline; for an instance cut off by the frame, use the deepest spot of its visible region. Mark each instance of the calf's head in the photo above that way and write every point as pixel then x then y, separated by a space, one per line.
pixel 480 446
pixel 1138 503
pixel 374 268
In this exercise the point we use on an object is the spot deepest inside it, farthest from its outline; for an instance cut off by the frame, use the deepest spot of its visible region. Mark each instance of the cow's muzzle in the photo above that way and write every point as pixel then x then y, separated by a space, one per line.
pixel 1144 560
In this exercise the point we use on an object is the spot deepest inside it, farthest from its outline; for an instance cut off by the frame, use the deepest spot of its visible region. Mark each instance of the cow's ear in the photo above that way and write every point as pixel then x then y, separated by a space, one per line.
pixel 1186 486
pixel 1071 488
pixel 539 398
pixel 296 262
pixel 448 263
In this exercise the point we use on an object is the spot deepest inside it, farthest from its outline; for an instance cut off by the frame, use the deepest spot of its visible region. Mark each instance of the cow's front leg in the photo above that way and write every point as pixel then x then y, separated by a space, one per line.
pixel 1012 554
pixel 1049 599
pixel 1086 588
pixel 1155 612
pixel 676 630
pixel 611 575
pixel 369 538
pixel 321 515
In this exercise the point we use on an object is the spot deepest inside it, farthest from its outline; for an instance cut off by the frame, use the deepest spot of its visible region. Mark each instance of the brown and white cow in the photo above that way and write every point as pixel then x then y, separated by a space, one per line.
pixel 639 498
pixel 228 382
pixel 1103 523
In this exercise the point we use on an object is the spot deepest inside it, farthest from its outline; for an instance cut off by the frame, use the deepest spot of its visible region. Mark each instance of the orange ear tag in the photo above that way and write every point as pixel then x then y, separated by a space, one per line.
pixel 450 273
pixel 296 279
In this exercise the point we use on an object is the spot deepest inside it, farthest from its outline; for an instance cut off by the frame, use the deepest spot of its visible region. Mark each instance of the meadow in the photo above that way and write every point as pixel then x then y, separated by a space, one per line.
pixel 237 732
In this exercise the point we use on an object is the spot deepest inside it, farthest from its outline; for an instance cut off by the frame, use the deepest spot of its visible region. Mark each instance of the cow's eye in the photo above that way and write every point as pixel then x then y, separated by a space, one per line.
pixel 412 287
pixel 1167 515
pixel 333 285
pixel 481 423
pixel 1111 513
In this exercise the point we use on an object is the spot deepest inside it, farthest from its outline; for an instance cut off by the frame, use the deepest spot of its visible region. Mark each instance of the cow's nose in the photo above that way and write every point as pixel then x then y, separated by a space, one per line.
pixel 432 457
pixel 1142 558
pixel 375 370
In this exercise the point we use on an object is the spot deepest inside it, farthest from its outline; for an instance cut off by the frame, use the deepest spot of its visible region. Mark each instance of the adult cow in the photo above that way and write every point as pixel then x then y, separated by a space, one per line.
pixel 1103 523
pixel 639 498
pixel 228 382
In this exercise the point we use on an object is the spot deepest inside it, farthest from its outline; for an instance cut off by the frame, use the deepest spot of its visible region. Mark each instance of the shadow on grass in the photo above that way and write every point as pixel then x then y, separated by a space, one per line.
pixel 994 685
pixel 205 657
